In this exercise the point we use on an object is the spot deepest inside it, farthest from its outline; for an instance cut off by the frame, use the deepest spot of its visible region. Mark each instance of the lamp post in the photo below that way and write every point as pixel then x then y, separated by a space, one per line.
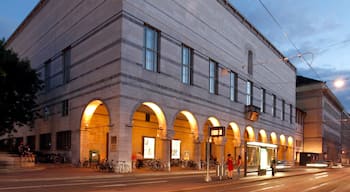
pixel 207 176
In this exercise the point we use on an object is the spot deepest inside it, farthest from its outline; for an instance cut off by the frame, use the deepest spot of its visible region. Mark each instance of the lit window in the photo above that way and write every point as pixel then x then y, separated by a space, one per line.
pixel 151 49
pixel 249 92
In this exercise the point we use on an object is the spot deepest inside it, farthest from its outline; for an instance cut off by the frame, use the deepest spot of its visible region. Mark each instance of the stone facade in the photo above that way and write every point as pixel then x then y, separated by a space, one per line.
pixel 322 125
pixel 91 55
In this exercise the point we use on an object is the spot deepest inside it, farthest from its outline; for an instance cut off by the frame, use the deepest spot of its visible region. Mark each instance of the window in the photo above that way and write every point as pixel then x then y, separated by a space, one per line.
pixel 147 117
pixel 151 49
pixel 274 105
pixel 63 140
pixel 45 141
pixel 65 108
pixel 47 66
pixel 187 64
pixel 263 100
pixel 233 86
pixel 250 62
pixel 213 77
pixel 283 110
pixel 249 92
pixel 290 113
pixel 31 142
pixel 66 60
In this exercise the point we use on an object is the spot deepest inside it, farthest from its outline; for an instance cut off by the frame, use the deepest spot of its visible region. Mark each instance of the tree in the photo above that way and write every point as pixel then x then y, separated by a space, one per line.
pixel 19 85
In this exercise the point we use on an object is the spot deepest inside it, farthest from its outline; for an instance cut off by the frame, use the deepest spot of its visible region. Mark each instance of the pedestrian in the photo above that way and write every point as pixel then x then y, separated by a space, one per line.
pixel 229 163
pixel 238 165
pixel 139 160
pixel 273 166
pixel 133 158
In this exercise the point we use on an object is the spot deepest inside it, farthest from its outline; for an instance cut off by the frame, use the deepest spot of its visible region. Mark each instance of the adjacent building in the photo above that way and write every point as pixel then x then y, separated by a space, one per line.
pixel 324 118
pixel 126 76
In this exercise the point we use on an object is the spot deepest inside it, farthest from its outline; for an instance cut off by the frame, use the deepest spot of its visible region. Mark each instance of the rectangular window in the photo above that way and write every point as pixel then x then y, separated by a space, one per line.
pixel 250 62
pixel 263 100
pixel 31 142
pixel 249 92
pixel 283 111
pixel 213 77
pixel 187 64
pixel 65 108
pixel 66 59
pixel 63 140
pixel 47 66
pixel 233 86
pixel 290 113
pixel 151 49
pixel 274 105
pixel 45 141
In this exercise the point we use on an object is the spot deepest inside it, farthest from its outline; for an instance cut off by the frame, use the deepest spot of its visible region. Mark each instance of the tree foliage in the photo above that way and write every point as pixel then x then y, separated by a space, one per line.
pixel 19 85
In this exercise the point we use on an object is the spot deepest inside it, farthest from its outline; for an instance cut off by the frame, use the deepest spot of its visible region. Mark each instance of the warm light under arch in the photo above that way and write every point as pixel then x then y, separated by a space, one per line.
pixel 282 140
pixel 273 138
pixel 89 111
pixel 192 121
pixel 158 112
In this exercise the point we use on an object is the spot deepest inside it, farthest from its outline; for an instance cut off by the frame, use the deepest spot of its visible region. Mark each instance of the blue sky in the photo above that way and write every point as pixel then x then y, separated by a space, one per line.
pixel 320 29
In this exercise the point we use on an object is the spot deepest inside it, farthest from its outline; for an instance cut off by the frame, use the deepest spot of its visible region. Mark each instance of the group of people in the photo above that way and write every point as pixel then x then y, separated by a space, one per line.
pixel 137 160
pixel 231 164
pixel 25 153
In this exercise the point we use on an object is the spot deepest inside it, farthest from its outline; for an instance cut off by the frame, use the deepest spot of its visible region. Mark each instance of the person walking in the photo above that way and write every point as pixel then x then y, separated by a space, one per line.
pixel 229 163
pixel 238 165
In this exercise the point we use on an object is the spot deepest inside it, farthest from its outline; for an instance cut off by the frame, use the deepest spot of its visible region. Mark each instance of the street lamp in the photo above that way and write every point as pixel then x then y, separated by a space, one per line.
pixel 339 83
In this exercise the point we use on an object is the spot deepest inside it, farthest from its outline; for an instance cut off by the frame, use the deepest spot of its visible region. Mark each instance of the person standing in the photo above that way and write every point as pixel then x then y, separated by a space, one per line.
pixel 238 164
pixel 229 163
pixel 273 166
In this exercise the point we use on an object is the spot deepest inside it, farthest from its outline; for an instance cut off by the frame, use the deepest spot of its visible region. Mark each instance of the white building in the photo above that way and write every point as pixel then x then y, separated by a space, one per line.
pixel 151 76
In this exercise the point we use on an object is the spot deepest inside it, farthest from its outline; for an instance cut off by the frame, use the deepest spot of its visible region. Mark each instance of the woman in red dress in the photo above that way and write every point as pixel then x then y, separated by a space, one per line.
pixel 229 163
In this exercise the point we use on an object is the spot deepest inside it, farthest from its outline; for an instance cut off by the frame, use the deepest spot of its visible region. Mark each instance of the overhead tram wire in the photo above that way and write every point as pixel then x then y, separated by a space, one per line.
pixel 300 55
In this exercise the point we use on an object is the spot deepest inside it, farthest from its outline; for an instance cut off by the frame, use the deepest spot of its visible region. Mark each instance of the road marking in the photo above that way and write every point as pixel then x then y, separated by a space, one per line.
pixel 129 184
pixel 315 187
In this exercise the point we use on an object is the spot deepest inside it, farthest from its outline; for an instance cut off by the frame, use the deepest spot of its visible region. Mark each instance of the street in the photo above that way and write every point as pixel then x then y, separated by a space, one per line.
pixel 321 180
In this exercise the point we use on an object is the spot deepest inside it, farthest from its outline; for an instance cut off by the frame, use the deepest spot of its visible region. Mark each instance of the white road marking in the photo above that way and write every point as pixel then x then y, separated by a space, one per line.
pixel 129 184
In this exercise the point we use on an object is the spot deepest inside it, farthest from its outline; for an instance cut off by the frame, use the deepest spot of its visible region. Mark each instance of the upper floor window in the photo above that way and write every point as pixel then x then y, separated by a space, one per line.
pixel 47 66
pixel 65 108
pixel 213 77
pixel 151 49
pixel 233 86
pixel 66 59
pixel 263 100
pixel 250 62
pixel 249 92
pixel 290 113
pixel 186 65
pixel 274 105
pixel 283 111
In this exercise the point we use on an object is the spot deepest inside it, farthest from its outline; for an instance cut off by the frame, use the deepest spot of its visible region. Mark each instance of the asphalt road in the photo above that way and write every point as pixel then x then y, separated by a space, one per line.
pixel 331 180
